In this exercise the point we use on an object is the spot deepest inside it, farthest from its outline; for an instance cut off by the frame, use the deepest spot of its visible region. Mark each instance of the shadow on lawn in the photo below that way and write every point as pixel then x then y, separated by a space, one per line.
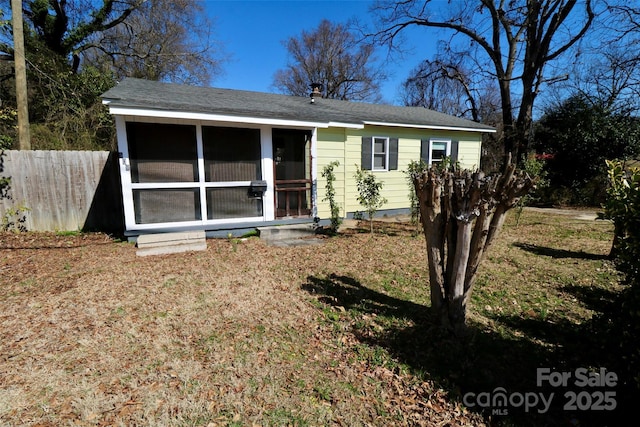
pixel 482 361
pixel 26 241
pixel 558 253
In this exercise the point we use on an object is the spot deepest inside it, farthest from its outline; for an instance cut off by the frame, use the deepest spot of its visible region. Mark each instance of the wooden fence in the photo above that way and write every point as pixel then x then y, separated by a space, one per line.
pixel 64 190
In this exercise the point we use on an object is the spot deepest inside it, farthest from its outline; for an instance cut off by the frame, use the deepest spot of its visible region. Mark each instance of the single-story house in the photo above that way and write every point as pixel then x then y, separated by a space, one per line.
pixel 199 158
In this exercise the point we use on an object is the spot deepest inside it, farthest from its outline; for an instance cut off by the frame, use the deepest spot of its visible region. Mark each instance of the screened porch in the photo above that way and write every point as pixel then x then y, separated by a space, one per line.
pixel 188 175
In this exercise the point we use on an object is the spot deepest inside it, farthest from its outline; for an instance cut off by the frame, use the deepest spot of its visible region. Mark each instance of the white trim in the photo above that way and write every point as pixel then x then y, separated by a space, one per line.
pixel 190 184
pixel 386 154
pixel 314 172
pixel 406 125
pixel 125 173
pixel 268 198
pixel 201 172
pixel 346 125
pixel 186 224
pixel 173 115
pixel 128 187
pixel 227 184
pixel 439 140
pixel 164 185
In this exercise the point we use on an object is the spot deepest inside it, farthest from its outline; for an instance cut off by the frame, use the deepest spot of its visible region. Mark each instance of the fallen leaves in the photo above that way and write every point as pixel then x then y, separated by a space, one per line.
pixel 93 335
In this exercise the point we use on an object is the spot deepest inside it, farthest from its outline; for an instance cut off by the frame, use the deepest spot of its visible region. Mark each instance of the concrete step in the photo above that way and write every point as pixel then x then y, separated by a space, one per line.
pixel 168 243
pixel 288 243
pixel 286 232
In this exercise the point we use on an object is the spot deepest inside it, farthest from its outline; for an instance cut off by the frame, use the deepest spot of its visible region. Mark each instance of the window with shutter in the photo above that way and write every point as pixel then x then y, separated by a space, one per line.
pixel 366 163
pixel 379 153
pixel 433 151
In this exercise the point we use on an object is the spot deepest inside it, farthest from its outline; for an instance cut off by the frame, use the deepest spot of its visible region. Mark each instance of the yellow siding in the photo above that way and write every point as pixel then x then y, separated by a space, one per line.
pixel 345 145
pixel 469 150
pixel 330 147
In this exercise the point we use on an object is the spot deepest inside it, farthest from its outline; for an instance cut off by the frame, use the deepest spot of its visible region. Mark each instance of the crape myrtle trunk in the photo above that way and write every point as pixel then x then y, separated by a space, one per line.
pixel 462 212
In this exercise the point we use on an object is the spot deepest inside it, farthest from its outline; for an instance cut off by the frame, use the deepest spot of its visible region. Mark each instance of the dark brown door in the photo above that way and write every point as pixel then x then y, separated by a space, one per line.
pixel 292 163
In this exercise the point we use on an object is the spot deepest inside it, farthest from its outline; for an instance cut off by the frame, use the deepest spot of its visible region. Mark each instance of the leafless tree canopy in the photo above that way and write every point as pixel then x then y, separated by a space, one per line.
pixel 448 85
pixel 510 42
pixel 441 86
pixel 161 40
pixel 606 68
pixel 332 56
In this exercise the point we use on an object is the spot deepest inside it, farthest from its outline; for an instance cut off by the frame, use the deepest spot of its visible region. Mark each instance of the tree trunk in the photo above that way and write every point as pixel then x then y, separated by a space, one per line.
pixel 618 234
pixel 24 135
pixel 462 213
pixel 457 301
pixel 433 224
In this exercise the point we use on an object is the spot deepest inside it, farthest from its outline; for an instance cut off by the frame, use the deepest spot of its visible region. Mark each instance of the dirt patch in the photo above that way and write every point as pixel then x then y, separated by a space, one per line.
pixel 581 214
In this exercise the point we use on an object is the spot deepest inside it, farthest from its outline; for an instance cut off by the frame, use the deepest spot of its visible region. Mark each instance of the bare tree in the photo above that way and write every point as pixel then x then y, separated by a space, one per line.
pixel 462 213
pixel 446 84
pixel 161 40
pixel 625 13
pixel 442 86
pixel 511 41
pixel 606 69
pixel 333 57
pixel 611 79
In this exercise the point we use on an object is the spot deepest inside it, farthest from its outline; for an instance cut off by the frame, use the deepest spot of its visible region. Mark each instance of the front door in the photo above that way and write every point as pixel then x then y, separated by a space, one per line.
pixel 292 160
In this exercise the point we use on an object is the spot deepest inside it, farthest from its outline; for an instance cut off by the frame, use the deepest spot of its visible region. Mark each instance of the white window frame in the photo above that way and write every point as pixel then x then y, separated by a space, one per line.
pixel 439 141
pixel 386 153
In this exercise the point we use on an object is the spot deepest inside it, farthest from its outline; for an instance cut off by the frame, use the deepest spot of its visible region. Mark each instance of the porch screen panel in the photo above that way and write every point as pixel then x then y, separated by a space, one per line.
pixel 166 205
pixel 162 152
pixel 231 154
pixel 232 202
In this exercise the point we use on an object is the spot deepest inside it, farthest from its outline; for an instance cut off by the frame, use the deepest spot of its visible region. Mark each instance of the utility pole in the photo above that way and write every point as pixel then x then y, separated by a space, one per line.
pixel 24 137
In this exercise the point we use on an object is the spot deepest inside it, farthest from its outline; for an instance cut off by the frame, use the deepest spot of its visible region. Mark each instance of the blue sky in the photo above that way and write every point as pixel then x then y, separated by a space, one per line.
pixel 253 31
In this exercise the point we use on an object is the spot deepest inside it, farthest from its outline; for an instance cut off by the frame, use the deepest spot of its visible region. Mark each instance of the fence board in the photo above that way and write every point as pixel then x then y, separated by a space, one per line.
pixel 64 190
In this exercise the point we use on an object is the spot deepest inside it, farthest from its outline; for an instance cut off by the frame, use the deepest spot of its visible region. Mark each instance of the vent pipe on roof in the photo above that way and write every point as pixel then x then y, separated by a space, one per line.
pixel 316 91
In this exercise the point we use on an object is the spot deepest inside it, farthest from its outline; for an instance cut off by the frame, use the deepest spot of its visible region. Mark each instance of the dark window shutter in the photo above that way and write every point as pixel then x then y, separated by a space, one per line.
pixel 424 150
pixel 366 153
pixel 393 154
pixel 454 151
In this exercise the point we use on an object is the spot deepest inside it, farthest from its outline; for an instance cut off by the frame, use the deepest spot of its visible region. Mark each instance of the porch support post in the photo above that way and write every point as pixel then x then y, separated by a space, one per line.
pixel 125 173
pixel 314 173
pixel 266 147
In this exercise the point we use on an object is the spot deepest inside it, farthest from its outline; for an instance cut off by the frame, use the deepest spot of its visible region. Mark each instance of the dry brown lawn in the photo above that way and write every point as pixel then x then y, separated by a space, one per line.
pixel 248 334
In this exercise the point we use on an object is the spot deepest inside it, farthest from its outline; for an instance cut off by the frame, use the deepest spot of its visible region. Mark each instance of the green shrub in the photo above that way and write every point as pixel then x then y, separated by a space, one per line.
pixel 329 175
pixel 369 193
pixel 414 168
pixel 622 207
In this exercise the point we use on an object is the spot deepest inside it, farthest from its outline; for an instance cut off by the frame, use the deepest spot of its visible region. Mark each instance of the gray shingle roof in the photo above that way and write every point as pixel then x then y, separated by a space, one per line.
pixel 144 94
